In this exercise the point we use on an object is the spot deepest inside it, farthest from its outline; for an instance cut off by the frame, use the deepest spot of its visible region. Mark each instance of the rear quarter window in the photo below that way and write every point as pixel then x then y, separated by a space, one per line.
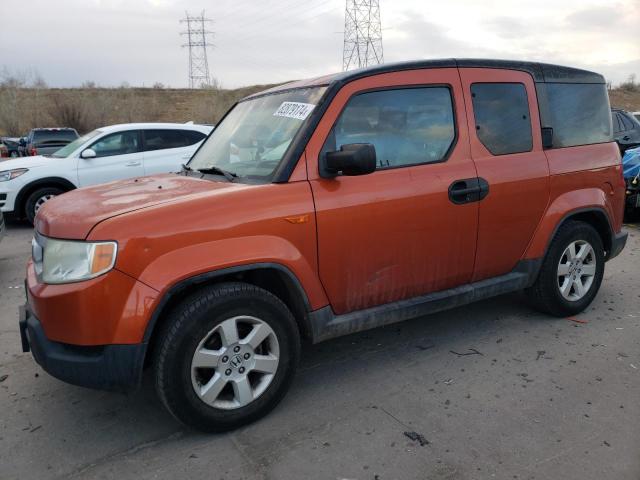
pixel 578 113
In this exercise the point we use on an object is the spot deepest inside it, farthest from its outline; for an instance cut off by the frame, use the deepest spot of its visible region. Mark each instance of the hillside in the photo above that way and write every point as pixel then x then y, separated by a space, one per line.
pixel 87 108
pixel 628 100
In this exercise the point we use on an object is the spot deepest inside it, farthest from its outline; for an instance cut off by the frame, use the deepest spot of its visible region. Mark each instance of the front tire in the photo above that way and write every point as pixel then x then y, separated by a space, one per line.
pixel 571 271
pixel 37 199
pixel 226 356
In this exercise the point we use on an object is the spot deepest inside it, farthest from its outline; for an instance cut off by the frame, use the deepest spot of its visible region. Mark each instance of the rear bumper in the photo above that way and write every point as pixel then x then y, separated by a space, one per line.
pixel 617 244
pixel 107 367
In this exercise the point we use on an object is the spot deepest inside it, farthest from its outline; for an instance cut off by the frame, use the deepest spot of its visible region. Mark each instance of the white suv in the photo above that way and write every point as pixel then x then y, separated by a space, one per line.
pixel 106 154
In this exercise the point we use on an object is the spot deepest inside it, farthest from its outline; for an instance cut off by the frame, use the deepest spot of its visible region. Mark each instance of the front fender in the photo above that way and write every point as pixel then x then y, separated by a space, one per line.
pixel 562 207
pixel 177 265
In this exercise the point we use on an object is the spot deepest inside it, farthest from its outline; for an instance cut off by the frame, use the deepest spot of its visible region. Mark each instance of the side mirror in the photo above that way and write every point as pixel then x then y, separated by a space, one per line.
pixel 547 138
pixel 88 153
pixel 352 159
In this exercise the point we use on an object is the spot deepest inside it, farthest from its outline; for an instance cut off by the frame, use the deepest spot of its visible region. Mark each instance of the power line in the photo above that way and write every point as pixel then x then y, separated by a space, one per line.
pixel 198 40
pixel 362 34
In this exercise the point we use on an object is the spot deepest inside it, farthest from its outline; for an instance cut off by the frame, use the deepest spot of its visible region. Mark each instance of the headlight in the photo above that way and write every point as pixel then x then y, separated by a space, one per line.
pixel 11 174
pixel 65 261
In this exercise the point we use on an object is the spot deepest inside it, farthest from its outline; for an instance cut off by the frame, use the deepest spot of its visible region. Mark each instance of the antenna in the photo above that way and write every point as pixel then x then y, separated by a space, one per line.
pixel 198 40
pixel 362 34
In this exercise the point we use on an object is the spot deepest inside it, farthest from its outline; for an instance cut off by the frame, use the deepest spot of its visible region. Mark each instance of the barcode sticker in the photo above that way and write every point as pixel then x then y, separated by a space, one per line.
pixel 296 110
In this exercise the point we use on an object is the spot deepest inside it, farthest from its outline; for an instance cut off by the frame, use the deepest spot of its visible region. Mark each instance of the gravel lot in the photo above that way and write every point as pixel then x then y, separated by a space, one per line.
pixel 496 389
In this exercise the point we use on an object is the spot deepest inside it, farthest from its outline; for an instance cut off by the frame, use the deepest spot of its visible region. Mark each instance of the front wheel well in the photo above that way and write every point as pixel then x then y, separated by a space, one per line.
pixel 598 220
pixel 28 189
pixel 277 280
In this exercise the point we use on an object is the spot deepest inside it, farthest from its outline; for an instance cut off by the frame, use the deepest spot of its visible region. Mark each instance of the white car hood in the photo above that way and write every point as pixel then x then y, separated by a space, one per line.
pixel 26 162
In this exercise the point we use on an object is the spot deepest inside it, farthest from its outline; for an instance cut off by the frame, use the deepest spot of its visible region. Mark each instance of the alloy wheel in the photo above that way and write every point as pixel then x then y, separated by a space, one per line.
pixel 576 270
pixel 41 201
pixel 235 362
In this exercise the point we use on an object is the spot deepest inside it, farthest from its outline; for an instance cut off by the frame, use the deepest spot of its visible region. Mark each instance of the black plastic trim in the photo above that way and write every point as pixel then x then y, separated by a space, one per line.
pixel 103 367
pixel 577 211
pixel 617 245
pixel 326 325
pixel 205 277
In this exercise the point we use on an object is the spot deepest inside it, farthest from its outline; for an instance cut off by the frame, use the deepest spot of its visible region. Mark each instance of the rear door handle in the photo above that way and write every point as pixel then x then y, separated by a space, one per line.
pixel 468 190
pixel 626 137
pixel 133 164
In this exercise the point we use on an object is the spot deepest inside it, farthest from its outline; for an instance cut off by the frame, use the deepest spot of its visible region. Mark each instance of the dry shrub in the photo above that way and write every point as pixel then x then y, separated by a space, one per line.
pixel 23 108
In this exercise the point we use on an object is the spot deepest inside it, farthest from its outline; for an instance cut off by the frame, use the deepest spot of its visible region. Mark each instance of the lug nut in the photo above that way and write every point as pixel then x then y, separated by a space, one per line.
pixel 236 349
pixel 227 371
pixel 241 369
pixel 246 356
pixel 225 359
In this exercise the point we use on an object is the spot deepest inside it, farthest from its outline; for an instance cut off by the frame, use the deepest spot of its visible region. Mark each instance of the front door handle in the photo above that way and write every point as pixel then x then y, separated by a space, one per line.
pixel 468 190
pixel 133 164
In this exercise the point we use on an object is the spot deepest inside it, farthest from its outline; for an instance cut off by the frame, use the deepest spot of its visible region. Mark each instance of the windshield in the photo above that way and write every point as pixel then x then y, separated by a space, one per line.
pixel 64 152
pixel 253 138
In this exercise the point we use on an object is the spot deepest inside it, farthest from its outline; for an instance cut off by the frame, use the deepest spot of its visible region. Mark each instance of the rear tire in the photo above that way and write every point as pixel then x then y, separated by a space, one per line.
pixel 38 198
pixel 571 271
pixel 226 356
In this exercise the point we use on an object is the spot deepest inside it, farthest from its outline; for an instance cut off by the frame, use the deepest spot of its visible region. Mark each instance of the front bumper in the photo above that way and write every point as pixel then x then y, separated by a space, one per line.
pixel 617 244
pixel 105 367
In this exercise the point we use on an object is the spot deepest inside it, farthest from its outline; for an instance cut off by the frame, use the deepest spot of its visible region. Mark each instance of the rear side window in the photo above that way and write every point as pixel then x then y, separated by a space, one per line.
pixel 626 122
pixel 501 112
pixel 408 126
pixel 163 139
pixel 579 113
pixel 120 143
pixel 617 125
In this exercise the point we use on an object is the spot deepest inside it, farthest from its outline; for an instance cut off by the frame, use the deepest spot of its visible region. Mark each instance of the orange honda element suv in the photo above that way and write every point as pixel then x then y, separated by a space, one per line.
pixel 321 208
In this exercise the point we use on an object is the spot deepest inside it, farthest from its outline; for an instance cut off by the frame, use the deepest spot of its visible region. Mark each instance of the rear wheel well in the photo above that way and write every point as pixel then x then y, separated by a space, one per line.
pixel 274 280
pixel 598 220
pixel 28 189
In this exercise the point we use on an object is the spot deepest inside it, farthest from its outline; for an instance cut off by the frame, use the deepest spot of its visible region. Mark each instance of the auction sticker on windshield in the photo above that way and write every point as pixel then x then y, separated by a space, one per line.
pixel 296 110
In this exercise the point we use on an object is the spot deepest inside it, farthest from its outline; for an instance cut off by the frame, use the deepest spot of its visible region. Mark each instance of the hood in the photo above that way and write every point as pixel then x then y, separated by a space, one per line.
pixel 75 213
pixel 25 162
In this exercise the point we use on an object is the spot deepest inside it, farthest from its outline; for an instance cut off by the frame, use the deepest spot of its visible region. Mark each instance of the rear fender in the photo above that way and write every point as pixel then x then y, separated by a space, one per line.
pixel 571 204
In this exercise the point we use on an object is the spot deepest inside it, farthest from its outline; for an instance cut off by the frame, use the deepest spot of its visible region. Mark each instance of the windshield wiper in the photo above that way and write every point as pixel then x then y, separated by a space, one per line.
pixel 230 176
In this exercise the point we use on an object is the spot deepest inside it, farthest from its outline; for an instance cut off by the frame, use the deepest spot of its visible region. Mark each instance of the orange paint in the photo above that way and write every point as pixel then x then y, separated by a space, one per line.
pixel 352 242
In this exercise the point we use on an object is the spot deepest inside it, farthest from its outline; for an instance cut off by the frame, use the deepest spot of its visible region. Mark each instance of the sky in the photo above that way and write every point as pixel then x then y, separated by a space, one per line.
pixel 138 42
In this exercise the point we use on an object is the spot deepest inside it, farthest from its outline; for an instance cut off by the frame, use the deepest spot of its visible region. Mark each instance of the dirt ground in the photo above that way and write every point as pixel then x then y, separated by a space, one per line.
pixel 496 389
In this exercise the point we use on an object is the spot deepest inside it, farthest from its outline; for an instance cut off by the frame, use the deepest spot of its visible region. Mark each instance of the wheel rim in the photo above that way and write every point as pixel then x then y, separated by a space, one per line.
pixel 235 362
pixel 41 201
pixel 576 270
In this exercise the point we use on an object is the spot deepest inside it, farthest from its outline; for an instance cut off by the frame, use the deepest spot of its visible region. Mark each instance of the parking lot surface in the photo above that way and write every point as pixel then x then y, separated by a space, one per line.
pixel 491 390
